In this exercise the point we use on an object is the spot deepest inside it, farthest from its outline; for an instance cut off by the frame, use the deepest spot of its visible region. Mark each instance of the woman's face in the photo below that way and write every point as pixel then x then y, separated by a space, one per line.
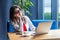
pixel 17 13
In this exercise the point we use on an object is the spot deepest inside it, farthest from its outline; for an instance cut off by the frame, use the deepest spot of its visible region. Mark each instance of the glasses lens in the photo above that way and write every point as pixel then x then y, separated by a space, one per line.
pixel 17 11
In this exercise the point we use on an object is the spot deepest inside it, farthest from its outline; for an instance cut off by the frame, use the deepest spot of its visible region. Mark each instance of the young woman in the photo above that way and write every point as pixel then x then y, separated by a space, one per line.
pixel 18 20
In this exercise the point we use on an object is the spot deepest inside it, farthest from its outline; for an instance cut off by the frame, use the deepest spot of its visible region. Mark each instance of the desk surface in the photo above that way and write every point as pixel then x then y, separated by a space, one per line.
pixel 53 34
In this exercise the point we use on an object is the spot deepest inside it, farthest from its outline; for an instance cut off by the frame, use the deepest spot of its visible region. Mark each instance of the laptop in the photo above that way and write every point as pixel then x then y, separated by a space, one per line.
pixel 42 28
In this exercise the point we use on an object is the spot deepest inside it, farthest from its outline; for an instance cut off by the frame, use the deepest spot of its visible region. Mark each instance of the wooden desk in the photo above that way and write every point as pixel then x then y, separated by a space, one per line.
pixel 52 35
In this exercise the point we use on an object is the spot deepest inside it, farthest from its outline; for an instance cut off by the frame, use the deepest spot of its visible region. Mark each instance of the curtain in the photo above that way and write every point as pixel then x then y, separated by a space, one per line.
pixel 4 16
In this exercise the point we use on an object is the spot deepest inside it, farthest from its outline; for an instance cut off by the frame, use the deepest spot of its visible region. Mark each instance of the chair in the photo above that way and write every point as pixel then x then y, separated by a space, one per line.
pixel 9 27
pixel 35 22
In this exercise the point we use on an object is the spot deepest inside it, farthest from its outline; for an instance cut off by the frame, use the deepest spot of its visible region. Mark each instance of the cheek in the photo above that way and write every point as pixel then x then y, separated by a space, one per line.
pixel 20 14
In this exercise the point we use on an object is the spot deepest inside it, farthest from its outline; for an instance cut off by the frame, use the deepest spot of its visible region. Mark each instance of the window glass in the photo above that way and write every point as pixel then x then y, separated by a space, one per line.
pixel 47 9
pixel 58 13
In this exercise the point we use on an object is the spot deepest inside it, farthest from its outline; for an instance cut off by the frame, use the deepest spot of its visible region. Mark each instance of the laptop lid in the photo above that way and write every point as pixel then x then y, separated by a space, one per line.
pixel 43 27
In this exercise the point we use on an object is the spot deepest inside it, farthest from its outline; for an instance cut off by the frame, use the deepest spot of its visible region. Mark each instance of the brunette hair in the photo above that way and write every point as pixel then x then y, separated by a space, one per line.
pixel 12 11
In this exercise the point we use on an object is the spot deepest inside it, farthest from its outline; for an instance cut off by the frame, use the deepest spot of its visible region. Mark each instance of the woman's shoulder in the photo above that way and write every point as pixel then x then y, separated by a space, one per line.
pixel 26 17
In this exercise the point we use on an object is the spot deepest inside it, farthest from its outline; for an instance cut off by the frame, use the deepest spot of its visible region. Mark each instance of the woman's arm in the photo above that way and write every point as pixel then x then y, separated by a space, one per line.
pixel 32 27
pixel 16 26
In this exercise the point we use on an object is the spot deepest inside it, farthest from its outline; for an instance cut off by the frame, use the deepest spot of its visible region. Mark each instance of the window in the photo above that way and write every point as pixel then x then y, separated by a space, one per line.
pixel 47 9
pixel 58 13
pixel 59 10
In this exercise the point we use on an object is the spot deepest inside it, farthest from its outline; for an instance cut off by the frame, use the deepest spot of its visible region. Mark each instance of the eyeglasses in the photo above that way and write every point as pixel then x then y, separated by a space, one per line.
pixel 17 11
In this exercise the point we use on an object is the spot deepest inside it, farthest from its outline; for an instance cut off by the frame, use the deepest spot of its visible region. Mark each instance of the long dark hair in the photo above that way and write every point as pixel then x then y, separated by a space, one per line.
pixel 12 11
